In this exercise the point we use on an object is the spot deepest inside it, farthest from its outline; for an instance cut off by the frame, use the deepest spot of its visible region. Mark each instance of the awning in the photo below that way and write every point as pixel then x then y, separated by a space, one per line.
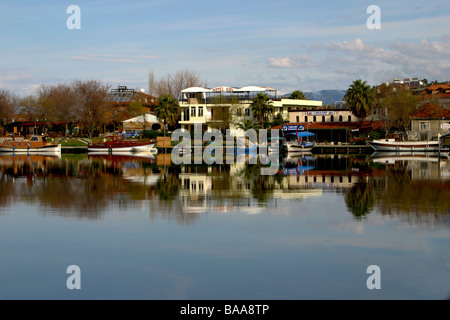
pixel 149 118
pixel 301 134
pixel 196 90
pixel 254 89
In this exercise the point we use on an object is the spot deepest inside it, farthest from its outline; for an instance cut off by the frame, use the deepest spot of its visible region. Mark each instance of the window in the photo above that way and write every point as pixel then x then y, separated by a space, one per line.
pixel 306 118
pixel 247 112
pixel 193 112
pixel 332 118
pixel 314 119
pixel 298 119
pixel 200 111
pixel 349 118
pixel 340 118
pixel 424 125
pixel 323 118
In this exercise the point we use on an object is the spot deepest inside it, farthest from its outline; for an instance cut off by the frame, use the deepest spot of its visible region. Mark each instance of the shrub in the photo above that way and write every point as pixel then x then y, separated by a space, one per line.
pixel 151 134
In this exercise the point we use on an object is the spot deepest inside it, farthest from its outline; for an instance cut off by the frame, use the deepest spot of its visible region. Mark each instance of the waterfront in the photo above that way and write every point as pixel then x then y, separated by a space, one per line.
pixel 139 228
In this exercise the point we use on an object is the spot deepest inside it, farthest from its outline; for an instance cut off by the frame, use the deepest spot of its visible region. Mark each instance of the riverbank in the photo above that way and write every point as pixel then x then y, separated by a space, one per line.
pixel 318 149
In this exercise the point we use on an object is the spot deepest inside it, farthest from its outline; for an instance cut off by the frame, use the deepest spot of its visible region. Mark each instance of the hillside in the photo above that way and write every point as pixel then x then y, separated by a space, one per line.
pixel 326 96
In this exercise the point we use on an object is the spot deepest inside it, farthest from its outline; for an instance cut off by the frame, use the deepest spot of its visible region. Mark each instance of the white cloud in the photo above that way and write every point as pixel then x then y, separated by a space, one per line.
pixel 357 44
pixel 301 61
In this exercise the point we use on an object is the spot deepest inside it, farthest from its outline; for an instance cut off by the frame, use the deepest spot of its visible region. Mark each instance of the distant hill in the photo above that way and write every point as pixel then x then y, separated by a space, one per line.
pixel 326 96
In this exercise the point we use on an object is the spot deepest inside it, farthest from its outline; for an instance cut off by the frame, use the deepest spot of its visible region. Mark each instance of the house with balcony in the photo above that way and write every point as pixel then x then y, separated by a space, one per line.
pixel 206 106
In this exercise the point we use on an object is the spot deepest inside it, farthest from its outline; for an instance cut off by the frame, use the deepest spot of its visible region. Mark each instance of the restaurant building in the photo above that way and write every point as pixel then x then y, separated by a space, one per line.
pixel 202 105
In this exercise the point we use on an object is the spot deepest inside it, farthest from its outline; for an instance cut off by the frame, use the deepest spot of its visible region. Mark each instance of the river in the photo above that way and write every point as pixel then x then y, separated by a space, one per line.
pixel 141 228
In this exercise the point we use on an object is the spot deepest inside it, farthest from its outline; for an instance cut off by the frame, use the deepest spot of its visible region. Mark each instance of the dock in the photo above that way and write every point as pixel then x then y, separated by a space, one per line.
pixel 342 149
pixel 318 149
pixel 74 149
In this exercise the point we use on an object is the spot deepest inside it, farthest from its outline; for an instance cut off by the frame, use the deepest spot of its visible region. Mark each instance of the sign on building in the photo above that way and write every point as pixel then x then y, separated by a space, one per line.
pixel 320 113
pixel 292 127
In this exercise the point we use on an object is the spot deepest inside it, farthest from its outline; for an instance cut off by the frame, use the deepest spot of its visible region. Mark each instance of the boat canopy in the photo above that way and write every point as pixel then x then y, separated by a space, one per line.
pixel 301 134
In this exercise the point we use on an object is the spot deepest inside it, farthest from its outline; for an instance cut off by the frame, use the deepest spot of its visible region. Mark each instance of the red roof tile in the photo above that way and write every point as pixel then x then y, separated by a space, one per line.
pixel 431 110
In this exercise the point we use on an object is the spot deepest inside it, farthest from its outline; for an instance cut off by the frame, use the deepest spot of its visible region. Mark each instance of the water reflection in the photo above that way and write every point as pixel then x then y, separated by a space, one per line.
pixel 415 187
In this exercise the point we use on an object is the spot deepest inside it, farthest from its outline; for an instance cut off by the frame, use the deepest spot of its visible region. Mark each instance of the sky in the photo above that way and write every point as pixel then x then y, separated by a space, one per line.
pixel 287 45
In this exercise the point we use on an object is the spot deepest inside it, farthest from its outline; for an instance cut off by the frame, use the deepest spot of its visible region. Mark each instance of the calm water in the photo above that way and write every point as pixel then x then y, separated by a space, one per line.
pixel 139 228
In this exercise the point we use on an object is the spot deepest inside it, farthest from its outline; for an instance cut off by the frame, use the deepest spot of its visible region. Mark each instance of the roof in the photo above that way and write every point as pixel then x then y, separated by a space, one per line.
pixel 228 89
pixel 148 118
pixel 430 111
pixel 196 89
pixel 439 86
pixel 254 89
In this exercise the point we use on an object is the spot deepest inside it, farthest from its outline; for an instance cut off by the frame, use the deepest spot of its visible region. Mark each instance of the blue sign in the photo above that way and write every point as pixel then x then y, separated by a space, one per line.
pixel 292 127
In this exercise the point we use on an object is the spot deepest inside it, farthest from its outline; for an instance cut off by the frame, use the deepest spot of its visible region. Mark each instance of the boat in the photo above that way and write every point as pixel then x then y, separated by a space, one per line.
pixel 298 165
pixel 397 144
pixel 410 146
pixel 115 144
pixel 301 141
pixel 36 144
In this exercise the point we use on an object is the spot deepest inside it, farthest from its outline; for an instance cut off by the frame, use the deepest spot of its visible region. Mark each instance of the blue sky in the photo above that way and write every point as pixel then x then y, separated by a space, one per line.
pixel 289 45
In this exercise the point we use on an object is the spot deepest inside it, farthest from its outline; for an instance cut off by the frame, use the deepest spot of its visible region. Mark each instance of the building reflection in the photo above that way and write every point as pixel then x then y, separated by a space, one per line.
pixel 87 186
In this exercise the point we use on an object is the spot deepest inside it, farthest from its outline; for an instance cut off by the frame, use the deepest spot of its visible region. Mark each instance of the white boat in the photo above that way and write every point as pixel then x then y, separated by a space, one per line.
pixel 116 144
pixel 299 142
pixel 36 144
pixel 410 146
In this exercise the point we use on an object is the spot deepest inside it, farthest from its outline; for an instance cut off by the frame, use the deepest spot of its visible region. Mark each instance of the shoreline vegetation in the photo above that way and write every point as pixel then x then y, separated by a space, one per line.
pixel 82 112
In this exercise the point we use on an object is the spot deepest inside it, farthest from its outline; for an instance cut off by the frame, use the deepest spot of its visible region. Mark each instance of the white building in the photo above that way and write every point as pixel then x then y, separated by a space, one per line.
pixel 200 105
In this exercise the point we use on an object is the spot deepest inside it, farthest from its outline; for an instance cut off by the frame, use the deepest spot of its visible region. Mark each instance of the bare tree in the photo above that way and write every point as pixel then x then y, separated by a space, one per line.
pixel 172 84
pixel 91 104
pixel 8 108
pixel 29 107
pixel 63 99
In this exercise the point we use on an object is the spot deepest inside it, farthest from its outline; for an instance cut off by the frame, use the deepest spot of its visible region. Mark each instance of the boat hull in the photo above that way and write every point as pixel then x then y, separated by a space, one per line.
pixel 41 149
pixel 149 148
pixel 298 148
pixel 412 146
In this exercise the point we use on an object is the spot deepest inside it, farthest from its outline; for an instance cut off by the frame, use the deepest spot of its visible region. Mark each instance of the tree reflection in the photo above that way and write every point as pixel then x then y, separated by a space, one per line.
pixel 360 199
pixel 168 186
pixel 85 187
pixel 417 201
pixel 262 186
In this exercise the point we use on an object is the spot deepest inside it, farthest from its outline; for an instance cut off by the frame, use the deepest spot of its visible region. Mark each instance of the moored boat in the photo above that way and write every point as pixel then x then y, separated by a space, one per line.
pixel 36 144
pixel 114 144
pixel 410 146
pixel 299 141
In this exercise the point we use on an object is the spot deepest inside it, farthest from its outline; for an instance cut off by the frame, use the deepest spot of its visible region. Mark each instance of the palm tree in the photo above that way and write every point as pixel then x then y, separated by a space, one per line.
pixel 262 107
pixel 167 109
pixel 360 99
pixel 248 124
pixel 297 94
